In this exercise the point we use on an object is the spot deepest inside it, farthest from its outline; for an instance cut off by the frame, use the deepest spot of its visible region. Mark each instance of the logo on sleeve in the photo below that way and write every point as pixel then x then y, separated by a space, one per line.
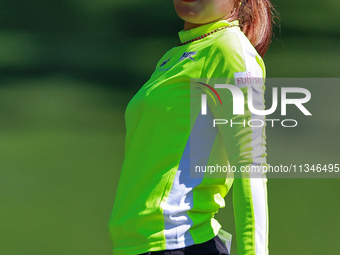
pixel 188 55
pixel 244 79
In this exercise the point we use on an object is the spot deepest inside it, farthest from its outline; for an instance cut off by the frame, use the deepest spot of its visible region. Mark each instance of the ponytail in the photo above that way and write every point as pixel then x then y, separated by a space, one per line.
pixel 255 17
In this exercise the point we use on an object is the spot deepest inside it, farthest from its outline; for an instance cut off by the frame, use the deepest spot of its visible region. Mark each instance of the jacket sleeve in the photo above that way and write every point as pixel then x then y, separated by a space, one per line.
pixel 235 62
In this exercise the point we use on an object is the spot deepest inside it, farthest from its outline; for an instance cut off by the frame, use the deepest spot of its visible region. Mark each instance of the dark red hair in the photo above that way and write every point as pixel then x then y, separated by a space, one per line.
pixel 255 17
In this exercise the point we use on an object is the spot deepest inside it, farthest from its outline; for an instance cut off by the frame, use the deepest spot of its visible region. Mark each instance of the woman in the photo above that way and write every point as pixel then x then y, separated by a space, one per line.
pixel 160 208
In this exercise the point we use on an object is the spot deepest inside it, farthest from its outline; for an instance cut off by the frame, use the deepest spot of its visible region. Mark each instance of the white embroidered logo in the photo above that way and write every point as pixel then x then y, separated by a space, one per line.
pixel 164 63
pixel 188 55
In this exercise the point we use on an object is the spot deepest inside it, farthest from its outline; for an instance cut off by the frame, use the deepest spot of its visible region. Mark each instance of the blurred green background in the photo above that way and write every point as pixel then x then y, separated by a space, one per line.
pixel 67 71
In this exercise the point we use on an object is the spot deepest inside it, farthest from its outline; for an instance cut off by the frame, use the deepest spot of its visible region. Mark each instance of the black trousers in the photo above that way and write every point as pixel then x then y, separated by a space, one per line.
pixel 213 247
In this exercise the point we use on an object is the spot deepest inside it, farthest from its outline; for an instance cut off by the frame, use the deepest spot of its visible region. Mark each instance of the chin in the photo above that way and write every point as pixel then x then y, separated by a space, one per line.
pixel 193 18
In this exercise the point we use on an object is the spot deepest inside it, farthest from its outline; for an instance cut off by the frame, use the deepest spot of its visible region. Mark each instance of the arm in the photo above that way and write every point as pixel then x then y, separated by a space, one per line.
pixel 245 145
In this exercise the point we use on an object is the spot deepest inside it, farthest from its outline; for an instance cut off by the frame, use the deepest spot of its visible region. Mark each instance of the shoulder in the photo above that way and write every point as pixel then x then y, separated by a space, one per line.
pixel 234 43
pixel 232 52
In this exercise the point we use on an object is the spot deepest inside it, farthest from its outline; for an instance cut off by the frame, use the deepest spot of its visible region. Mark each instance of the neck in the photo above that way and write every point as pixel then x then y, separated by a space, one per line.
pixel 188 25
